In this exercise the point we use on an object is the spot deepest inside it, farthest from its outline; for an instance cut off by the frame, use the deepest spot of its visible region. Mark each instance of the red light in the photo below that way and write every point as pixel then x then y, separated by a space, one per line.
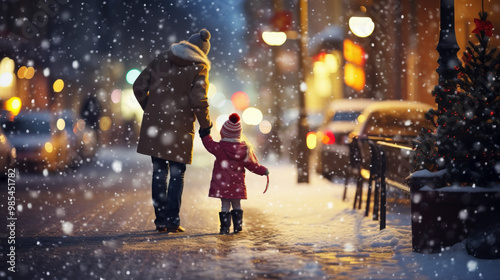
pixel 320 57
pixel 240 100
pixel 328 138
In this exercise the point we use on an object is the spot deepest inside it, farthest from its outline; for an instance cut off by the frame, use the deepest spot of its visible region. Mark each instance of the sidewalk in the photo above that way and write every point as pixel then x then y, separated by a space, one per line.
pixel 294 231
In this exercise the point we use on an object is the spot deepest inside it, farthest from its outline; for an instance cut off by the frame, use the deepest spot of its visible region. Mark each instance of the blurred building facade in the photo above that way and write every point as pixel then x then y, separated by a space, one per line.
pixel 401 57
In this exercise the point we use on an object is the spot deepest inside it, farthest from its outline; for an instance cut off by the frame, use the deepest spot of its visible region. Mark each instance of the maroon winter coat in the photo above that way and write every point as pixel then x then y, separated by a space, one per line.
pixel 228 176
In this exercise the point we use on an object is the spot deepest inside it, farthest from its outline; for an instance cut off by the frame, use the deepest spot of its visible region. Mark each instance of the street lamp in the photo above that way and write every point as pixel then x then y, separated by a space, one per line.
pixel 358 71
pixel 275 39
pixel 361 26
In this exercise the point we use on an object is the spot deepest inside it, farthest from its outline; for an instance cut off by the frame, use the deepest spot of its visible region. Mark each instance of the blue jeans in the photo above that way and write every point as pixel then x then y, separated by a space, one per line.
pixel 167 201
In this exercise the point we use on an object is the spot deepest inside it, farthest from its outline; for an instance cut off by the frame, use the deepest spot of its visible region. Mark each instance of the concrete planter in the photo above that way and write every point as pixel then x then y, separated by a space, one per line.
pixel 442 217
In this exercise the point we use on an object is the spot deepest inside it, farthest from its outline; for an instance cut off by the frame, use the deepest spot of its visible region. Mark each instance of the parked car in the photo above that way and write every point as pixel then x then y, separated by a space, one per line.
pixel 332 149
pixel 289 131
pixel 39 143
pixel 83 140
pixel 7 155
pixel 397 122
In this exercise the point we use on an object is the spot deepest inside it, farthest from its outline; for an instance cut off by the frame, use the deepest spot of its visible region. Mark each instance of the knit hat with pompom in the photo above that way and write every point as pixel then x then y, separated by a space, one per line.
pixel 232 127
pixel 201 40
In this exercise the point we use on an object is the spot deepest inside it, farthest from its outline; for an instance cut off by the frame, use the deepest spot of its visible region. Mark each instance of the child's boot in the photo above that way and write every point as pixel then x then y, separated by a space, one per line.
pixel 237 220
pixel 225 222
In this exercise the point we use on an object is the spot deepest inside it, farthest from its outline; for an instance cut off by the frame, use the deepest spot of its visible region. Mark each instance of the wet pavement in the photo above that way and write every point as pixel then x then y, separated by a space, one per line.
pixel 96 223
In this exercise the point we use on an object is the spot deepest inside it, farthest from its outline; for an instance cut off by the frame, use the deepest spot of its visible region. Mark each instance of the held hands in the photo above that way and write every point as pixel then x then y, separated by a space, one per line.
pixel 205 131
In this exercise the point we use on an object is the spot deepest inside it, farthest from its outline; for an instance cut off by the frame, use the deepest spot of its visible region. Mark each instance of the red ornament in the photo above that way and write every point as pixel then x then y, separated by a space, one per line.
pixel 483 25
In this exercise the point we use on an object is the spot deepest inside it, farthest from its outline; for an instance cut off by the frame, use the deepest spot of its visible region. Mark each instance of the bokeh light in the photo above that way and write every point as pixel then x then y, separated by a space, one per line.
pixel 274 38
pixel 7 66
pixel 219 122
pixel 6 79
pixel 252 116
pixel 13 105
pixel 105 123
pixel 311 140
pixel 265 127
pixel 80 125
pixel 61 124
pixel 48 147
pixel 58 85
pixel 217 100
pixel 132 76
pixel 30 72
pixel 361 118
pixel 361 26
pixel 212 90
pixel 21 72
pixel 240 100
pixel 116 96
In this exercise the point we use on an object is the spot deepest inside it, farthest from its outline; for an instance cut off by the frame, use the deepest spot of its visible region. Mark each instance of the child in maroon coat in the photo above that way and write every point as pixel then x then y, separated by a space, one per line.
pixel 232 156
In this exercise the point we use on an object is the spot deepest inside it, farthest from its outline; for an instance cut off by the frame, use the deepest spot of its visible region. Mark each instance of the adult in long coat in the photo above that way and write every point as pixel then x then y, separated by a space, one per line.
pixel 172 91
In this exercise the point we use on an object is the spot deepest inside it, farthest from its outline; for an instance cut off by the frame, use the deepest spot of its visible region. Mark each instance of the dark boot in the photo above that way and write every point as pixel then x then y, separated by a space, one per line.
pixel 237 220
pixel 225 222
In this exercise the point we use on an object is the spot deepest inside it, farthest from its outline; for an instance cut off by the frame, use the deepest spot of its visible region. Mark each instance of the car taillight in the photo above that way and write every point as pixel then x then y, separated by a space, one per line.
pixel 328 138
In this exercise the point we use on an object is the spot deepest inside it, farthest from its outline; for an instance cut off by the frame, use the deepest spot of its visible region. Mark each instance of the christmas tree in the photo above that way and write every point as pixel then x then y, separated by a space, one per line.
pixel 466 142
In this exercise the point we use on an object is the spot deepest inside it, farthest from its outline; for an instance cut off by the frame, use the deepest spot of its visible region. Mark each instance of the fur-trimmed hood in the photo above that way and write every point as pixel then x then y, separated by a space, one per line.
pixel 189 52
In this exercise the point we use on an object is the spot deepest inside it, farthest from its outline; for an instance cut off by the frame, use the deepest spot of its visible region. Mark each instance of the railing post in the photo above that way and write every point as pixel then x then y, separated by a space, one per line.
pixel 383 192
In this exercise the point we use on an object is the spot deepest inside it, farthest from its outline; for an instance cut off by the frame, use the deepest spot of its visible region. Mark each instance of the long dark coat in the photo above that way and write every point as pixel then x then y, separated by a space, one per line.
pixel 172 91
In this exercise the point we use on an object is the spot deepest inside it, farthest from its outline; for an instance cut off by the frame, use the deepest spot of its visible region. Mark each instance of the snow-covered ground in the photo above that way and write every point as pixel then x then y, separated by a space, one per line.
pixel 294 231
pixel 314 217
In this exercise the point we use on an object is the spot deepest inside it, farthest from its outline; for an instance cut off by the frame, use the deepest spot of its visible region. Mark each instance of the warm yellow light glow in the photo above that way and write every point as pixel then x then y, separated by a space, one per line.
pixel 354 76
pixel 212 90
pixel 311 140
pixel 130 108
pixel 30 72
pixel 48 147
pixel 332 63
pixel 6 72
pixel 252 116
pixel 321 79
pixel 61 124
pixel 58 85
pixel 13 105
pixel 354 53
pixel 265 127
pixel 21 73
pixel 361 118
pixel 361 26
pixel 105 123
pixel 6 79
pixel 274 38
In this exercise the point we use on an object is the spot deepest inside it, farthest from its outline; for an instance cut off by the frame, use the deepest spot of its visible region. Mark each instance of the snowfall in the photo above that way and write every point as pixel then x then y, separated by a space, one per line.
pixel 325 221
pixel 301 231
pixel 313 219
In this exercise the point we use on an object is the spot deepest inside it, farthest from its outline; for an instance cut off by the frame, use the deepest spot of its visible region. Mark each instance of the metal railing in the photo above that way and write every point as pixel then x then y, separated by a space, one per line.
pixel 377 181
